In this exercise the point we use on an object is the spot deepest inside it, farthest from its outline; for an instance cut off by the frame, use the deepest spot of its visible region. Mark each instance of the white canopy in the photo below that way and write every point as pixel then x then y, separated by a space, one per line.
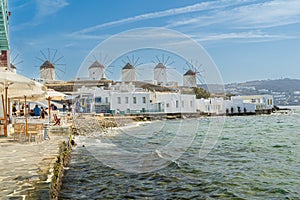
pixel 19 86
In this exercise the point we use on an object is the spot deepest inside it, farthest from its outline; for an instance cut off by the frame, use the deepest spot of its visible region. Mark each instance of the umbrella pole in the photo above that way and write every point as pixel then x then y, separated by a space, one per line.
pixel 5 117
pixel 49 110
pixel 8 108
pixel 26 119
pixel 5 111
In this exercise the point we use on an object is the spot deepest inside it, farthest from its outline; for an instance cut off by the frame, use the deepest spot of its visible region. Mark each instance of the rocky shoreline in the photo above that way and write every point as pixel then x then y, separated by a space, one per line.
pixel 89 125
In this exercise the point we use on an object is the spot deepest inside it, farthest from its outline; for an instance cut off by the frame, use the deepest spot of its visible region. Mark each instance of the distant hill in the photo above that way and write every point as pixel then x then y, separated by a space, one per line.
pixel 285 91
pixel 279 85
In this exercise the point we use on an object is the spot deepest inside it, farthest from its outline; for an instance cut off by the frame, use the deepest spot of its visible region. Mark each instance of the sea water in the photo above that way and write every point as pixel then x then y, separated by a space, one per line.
pixel 253 157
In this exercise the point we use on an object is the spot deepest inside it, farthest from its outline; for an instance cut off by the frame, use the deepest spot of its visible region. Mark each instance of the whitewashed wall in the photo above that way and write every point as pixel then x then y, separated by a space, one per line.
pixel 211 105
pixel 124 102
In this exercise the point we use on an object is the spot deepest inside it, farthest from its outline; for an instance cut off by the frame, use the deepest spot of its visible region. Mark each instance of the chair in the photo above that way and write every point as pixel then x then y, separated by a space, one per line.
pixel 56 120
pixel 19 131
pixel 35 132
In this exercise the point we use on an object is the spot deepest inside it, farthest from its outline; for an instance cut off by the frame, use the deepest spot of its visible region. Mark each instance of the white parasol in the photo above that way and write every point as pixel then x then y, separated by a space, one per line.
pixel 15 86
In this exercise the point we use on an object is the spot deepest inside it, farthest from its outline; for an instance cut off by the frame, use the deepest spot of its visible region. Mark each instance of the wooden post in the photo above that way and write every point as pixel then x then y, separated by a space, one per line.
pixel 26 117
pixel 5 112
pixel 5 116
pixel 49 110
pixel 8 108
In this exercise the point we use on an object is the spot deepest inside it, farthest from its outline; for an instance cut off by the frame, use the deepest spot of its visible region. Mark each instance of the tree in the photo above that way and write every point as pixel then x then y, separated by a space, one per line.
pixel 201 93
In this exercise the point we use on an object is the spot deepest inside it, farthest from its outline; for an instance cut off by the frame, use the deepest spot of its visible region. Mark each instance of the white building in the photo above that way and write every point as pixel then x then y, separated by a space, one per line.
pixel 189 79
pixel 175 102
pixel 96 71
pixel 126 99
pixel 160 74
pixel 261 102
pixel 130 102
pixel 211 106
pixel 238 106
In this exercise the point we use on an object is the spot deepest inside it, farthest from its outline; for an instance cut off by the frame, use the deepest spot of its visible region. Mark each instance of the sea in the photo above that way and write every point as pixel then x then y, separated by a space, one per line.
pixel 238 157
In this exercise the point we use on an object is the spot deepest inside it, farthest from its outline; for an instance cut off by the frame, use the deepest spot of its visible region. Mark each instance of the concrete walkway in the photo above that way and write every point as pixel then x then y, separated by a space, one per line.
pixel 24 166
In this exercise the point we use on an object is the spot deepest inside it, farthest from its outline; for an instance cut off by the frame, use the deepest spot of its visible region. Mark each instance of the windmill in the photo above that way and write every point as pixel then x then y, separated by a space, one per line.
pixel 15 60
pixel 52 65
pixel 160 70
pixel 97 70
pixel 129 70
pixel 192 74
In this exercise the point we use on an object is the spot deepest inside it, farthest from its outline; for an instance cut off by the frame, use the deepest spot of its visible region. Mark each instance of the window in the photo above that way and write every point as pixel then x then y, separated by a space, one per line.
pixel 134 100
pixel 168 105
pixel 182 104
pixel 106 99
pixel 176 104
pixel 126 100
pixel 119 100
pixel 144 99
pixel 191 103
pixel 98 99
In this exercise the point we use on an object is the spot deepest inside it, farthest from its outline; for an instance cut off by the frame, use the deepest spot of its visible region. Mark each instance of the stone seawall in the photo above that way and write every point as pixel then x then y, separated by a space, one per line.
pixel 26 168
pixel 62 161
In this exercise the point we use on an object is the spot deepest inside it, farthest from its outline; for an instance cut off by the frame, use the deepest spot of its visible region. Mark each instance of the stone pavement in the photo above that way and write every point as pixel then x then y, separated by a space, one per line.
pixel 24 167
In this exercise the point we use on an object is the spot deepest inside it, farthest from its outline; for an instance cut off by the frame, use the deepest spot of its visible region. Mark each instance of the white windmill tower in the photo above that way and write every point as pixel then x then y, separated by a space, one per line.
pixel 160 74
pixel 50 65
pixel 129 70
pixel 189 79
pixel 128 73
pixel 47 71
pixel 160 70
pixel 96 71
pixel 192 74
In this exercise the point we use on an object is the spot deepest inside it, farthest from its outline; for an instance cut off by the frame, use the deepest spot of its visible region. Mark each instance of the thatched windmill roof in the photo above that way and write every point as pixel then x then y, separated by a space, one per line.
pixel 47 65
pixel 128 66
pixel 160 66
pixel 12 66
pixel 96 64
pixel 190 73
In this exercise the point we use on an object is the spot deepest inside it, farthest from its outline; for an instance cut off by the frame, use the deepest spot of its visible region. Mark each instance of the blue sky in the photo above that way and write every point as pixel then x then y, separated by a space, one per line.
pixel 247 39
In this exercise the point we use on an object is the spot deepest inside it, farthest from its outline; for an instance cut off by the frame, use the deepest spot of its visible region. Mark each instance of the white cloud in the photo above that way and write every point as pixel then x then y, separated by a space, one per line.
pixel 269 14
pixel 48 7
pixel 257 35
pixel 203 6
pixel 254 15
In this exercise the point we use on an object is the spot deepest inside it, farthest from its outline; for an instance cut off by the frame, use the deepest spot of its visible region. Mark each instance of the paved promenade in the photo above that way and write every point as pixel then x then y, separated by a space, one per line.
pixel 25 166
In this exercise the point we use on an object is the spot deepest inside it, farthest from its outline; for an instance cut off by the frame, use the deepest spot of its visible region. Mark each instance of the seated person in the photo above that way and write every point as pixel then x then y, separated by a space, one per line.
pixel 43 113
pixel 21 112
pixel 37 111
